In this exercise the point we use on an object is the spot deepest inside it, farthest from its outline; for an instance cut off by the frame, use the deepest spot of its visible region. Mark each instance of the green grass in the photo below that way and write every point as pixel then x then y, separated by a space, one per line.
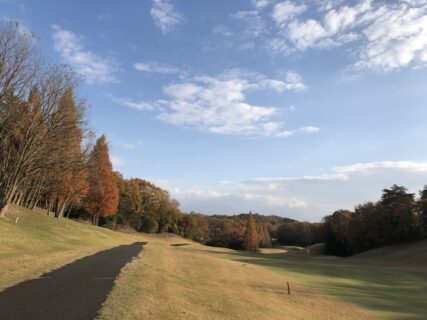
pixel 197 282
pixel 176 279
pixel 390 292
pixel 39 243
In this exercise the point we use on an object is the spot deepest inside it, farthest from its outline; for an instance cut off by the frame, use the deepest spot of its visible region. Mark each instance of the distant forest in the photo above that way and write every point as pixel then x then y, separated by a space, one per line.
pixel 397 217
pixel 49 159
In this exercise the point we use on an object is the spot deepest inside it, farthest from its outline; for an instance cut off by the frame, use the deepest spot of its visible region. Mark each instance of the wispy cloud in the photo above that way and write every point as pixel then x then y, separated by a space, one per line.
pixel 104 17
pixel 95 68
pixel 261 3
pixel 165 16
pixel 384 35
pixel 308 197
pixel 155 67
pixel 284 11
pixel 117 162
pixel 253 24
pixel 138 105
pixel 218 104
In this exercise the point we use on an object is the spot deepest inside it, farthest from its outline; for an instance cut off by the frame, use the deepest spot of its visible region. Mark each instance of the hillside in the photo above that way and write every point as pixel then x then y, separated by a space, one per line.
pixel 412 255
pixel 172 279
pixel 38 243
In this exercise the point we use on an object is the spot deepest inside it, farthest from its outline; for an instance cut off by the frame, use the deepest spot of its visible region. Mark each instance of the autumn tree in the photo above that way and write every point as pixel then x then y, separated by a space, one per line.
pixel 103 196
pixel 71 173
pixel 250 242
pixel 19 66
pixel 31 137
pixel 195 226
pixel 264 238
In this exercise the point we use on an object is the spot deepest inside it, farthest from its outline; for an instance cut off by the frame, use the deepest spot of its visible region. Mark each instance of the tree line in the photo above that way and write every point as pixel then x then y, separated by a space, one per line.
pixel 398 217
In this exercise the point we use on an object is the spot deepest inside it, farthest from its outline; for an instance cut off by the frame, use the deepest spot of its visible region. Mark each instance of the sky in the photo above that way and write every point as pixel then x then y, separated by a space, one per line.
pixel 293 108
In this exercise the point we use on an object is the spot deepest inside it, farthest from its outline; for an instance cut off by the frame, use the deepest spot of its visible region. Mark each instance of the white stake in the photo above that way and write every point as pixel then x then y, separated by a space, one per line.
pixel 16 221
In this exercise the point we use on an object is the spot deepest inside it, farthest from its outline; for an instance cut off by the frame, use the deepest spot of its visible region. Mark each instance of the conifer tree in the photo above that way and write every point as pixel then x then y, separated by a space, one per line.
pixel 250 242
pixel 103 195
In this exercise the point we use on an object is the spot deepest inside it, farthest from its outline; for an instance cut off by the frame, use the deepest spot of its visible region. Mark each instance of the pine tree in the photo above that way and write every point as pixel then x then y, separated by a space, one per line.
pixel 103 195
pixel 250 242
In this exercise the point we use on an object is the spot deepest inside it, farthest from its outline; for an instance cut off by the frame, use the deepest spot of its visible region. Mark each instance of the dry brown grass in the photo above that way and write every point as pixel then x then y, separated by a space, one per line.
pixel 38 243
pixel 176 279
pixel 411 255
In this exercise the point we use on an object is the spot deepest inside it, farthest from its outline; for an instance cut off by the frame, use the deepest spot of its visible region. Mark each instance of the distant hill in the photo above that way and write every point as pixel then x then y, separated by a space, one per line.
pixel 259 218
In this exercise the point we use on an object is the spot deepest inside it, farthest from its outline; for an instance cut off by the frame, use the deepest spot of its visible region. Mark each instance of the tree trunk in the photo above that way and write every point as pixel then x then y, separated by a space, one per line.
pixel 95 219
pixel 69 210
pixel 4 210
pixel 48 205
pixel 62 209
pixel 7 201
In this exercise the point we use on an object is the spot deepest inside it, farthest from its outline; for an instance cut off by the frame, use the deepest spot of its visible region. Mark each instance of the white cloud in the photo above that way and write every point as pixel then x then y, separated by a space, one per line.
pixel 164 15
pixel 141 105
pixel 155 67
pixel 284 11
pixel 332 31
pixel 218 104
pixel 305 197
pixel 384 35
pixel 93 67
pixel 305 34
pixel 254 25
pixel 261 3
pixel 278 46
pixel 117 162
pixel 396 38
pixel 401 165
pixel 223 31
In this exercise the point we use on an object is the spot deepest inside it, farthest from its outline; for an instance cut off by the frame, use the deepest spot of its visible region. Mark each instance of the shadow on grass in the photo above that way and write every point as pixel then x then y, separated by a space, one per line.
pixel 393 292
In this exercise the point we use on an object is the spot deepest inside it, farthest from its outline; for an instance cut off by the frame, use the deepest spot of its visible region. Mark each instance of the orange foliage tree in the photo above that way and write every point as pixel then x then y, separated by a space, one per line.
pixel 103 195
pixel 250 241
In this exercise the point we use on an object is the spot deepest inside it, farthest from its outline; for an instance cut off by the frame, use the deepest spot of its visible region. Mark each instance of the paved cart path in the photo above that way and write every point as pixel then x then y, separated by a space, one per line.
pixel 73 292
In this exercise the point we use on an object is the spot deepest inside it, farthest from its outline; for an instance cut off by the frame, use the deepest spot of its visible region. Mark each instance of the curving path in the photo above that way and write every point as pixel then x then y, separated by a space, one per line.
pixel 73 292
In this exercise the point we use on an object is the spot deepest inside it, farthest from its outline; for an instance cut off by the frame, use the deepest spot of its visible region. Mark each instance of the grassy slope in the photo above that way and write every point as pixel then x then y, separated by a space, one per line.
pixel 412 255
pixel 192 281
pixel 388 290
pixel 38 243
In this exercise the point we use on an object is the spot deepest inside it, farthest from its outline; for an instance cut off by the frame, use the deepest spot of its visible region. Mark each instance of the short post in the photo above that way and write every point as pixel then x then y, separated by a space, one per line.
pixel 289 287
pixel 17 218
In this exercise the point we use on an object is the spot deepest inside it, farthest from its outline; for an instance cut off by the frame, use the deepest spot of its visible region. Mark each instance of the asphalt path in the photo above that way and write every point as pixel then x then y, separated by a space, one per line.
pixel 74 292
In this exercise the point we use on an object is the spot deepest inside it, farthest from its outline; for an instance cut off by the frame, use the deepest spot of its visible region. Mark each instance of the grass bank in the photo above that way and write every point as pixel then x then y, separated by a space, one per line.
pixel 38 243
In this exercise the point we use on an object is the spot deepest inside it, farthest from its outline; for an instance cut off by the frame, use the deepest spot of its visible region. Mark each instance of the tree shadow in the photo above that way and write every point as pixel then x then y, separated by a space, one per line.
pixel 395 290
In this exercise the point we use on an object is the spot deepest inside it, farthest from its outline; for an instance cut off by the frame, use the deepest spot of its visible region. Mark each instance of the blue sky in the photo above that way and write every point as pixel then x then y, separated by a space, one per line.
pixel 295 108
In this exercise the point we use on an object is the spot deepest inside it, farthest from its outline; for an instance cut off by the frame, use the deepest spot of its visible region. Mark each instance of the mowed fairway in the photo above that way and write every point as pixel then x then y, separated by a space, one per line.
pixel 381 282
pixel 178 279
